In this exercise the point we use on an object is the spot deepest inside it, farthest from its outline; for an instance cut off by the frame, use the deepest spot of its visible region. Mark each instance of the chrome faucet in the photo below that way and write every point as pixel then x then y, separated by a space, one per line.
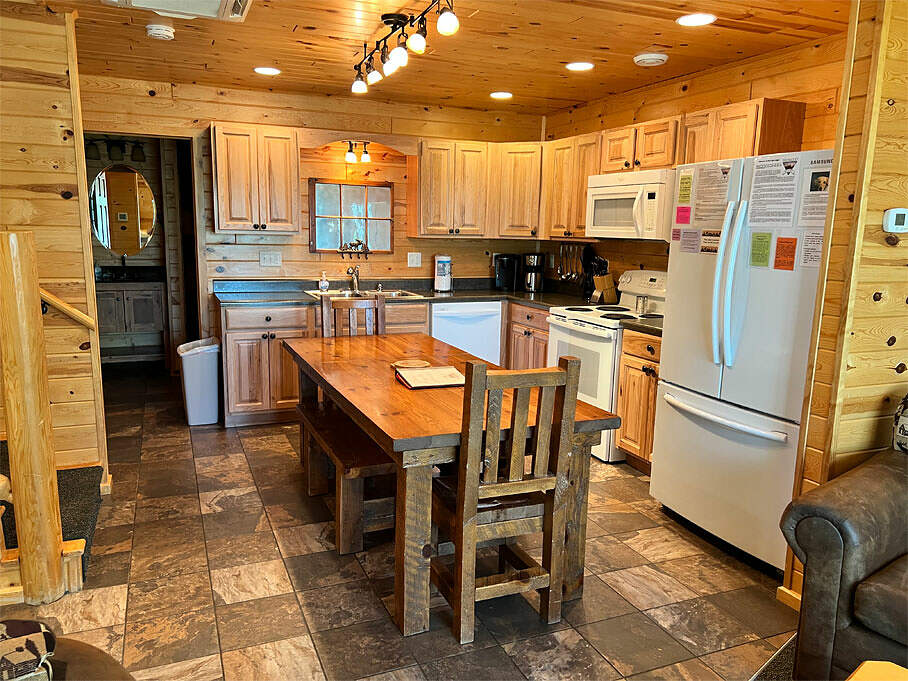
pixel 354 273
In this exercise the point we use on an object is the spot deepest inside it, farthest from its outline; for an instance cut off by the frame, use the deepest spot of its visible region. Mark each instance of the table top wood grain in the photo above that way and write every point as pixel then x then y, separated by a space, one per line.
pixel 356 373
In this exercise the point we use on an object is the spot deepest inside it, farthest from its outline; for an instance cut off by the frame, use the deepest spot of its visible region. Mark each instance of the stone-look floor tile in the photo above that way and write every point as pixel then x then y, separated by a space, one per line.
pixel 646 587
pixel 116 539
pixel 228 471
pixel 491 664
pixel 241 549
pixel 168 596
pixel 113 514
pixel 378 561
pixel 206 668
pixel 511 618
pixel 166 479
pixel 125 449
pixel 599 602
pixel 167 508
pixel 263 620
pixel 621 489
pixel 313 570
pixel 300 511
pixel 560 655
pixel 606 553
pixel 248 582
pixel 701 626
pixel 659 544
pixel 652 509
pixel 283 472
pixel 757 609
pixel 341 605
pixel 214 442
pixel 239 499
pixel 233 523
pixel 166 640
pixel 633 643
pixel 780 640
pixel 84 610
pixel 286 491
pixel 292 658
pixel 362 650
pixel 439 641
pixel 740 662
pixel 125 477
pixel 165 450
pixel 619 517
pixel 108 639
pixel 107 570
pixel 706 574
pixel 689 670
pixel 413 673
pixel 166 548
pixel 607 471
pixel 302 539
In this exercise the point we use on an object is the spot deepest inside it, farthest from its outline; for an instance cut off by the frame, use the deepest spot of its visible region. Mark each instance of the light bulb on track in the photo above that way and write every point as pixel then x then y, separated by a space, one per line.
pixel 448 23
pixel 350 156
pixel 416 43
pixel 359 86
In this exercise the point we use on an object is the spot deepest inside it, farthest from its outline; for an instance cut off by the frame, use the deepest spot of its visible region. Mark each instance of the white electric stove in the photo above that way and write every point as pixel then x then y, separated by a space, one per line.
pixel 593 333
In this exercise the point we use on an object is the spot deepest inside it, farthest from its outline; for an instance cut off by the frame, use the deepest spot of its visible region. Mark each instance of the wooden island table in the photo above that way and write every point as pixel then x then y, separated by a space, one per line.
pixel 419 429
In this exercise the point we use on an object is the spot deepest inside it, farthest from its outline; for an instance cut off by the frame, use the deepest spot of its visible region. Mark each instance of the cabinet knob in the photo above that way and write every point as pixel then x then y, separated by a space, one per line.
pixel 627 164
pixel 271 335
pixel 263 226
pixel 533 232
pixel 265 335
pixel 636 161
pixel 451 231
pixel 255 226
pixel 650 349
pixel 457 231
pixel 267 317
pixel 529 317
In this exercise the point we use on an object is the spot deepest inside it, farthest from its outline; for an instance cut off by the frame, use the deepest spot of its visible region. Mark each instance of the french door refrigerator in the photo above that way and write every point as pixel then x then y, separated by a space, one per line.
pixel 746 241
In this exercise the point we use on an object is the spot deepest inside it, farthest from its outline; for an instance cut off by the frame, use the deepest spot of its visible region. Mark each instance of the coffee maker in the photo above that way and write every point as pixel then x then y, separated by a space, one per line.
pixel 533 271
pixel 507 271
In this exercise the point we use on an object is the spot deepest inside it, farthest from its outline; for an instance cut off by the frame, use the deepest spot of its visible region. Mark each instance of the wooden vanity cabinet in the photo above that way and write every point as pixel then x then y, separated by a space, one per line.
pixel 527 337
pixel 637 382
pixel 131 321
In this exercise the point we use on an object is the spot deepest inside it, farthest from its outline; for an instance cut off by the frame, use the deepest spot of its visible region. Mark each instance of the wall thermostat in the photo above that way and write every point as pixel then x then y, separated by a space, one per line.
pixel 895 220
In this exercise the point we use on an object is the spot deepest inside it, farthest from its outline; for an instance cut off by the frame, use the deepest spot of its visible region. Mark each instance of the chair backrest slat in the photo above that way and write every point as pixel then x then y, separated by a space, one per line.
pixel 545 405
pixel 335 310
pixel 493 437
pixel 520 410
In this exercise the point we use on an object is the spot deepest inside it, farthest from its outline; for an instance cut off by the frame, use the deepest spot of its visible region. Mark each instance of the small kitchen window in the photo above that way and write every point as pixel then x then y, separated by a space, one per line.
pixel 341 213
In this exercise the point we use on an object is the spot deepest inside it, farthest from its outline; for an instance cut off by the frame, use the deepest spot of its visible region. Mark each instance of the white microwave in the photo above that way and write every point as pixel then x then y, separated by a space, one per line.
pixel 632 205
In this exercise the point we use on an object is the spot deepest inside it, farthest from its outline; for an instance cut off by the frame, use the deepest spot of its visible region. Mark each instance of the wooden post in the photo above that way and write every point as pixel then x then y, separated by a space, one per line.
pixel 31 453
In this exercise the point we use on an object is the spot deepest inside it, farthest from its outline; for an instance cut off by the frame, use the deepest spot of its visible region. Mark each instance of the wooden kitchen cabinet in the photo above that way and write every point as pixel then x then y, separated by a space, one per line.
pixel 527 337
pixel 566 165
pixel 513 198
pixel 471 160
pixel 640 147
pixel 256 178
pixel 453 178
pixel 754 127
pixel 638 377
pixel 586 162
pixel 283 373
pixel 246 363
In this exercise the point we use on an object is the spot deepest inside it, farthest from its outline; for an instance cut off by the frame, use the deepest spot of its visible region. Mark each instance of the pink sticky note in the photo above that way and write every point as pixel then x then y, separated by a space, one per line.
pixel 676 234
pixel 682 215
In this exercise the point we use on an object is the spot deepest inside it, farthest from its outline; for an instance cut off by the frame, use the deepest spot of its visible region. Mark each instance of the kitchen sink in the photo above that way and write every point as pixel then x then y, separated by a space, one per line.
pixel 348 293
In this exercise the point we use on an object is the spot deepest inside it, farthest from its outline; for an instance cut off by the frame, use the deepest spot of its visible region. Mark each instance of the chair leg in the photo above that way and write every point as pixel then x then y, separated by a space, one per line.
pixel 553 528
pixel 464 595
pixel 348 524
pixel 316 465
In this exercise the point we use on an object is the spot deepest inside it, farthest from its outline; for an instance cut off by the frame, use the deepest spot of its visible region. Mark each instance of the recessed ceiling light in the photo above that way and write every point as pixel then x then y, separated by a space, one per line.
pixel 500 95
pixel 650 59
pixel 266 70
pixel 698 19
pixel 579 66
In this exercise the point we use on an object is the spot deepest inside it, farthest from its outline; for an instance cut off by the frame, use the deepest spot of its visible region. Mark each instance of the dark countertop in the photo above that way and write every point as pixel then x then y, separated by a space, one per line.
pixel 651 326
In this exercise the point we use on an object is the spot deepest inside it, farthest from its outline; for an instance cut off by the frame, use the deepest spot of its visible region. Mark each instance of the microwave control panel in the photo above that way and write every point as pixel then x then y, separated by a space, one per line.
pixel 651 207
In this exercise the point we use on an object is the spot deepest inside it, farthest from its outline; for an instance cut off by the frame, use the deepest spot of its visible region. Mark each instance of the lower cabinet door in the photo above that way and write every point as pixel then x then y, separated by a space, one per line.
pixel 284 373
pixel 144 311
pixel 111 317
pixel 249 380
pixel 518 347
pixel 539 347
pixel 634 406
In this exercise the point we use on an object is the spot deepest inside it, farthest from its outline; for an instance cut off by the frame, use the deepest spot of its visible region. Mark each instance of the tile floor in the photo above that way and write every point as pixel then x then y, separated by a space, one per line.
pixel 210 562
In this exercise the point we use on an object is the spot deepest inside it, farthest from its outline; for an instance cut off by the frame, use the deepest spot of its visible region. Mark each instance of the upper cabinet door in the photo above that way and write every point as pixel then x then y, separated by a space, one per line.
pixel 519 167
pixel 556 204
pixel 279 177
pixel 470 176
pixel 697 137
pixel 236 177
pixel 736 130
pixel 618 149
pixel 436 187
pixel 655 146
pixel 587 149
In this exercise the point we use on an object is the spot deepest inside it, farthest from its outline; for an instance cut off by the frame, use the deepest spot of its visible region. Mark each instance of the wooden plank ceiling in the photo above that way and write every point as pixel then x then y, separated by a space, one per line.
pixel 515 45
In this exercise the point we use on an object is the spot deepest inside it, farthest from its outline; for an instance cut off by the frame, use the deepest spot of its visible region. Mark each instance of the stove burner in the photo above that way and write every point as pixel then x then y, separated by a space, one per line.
pixel 579 309
pixel 651 315
pixel 613 308
pixel 617 315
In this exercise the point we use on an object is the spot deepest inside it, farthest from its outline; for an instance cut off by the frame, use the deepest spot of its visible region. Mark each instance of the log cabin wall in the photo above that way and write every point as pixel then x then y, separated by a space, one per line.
pixel 42 190
pixel 859 348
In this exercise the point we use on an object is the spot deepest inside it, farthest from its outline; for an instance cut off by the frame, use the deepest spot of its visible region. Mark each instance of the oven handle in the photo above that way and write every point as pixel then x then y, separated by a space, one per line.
pixel 604 334
pixel 774 435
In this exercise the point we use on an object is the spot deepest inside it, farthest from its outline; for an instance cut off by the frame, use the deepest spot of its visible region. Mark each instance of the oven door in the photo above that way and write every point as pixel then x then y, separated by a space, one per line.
pixel 616 212
pixel 597 350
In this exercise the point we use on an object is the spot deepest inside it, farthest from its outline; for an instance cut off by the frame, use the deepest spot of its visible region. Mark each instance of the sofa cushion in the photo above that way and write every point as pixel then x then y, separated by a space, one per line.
pixel 881 601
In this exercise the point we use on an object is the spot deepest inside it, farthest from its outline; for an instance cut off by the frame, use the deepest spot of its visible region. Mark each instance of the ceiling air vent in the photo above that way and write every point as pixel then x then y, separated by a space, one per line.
pixel 222 10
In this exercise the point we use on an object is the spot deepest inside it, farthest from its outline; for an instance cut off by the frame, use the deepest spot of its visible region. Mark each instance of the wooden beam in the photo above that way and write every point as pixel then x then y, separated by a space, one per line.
pixel 28 420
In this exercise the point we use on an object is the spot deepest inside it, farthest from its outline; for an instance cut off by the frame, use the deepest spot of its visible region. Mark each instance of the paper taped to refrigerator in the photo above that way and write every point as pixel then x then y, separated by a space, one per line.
pixel 690 241
pixel 812 248
pixel 815 192
pixel 760 249
pixel 711 195
pixel 684 184
pixel 786 250
pixel 774 191
pixel 709 240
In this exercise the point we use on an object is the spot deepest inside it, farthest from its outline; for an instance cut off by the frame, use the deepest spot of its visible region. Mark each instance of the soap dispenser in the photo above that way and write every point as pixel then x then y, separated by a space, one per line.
pixel 323 284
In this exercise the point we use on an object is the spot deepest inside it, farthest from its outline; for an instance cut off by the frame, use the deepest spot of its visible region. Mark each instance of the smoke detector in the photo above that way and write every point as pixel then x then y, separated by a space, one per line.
pixel 159 31
pixel 650 58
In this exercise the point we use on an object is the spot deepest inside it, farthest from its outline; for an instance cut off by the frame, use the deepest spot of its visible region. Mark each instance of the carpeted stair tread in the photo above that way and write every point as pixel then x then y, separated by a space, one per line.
pixel 79 490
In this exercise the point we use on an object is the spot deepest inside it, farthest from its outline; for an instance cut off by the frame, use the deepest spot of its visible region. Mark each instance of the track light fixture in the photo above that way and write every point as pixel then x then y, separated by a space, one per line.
pixel 412 40
pixel 350 156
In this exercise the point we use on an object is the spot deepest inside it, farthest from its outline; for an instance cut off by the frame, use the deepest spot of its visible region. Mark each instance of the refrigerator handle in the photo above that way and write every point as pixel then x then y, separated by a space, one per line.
pixel 774 435
pixel 730 346
pixel 639 216
pixel 717 280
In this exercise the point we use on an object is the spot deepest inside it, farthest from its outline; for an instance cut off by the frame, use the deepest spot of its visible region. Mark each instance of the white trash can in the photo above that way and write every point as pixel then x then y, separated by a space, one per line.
pixel 199 366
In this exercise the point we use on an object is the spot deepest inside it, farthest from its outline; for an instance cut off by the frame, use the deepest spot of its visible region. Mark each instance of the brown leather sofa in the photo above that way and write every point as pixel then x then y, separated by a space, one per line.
pixel 852 536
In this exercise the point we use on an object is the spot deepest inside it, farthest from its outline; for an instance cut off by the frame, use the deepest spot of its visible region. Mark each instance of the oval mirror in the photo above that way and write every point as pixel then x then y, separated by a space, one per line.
pixel 122 210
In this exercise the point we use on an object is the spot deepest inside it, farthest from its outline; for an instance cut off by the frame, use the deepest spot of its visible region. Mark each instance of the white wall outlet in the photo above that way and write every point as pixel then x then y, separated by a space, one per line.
pixel 270 259
pixel 414 259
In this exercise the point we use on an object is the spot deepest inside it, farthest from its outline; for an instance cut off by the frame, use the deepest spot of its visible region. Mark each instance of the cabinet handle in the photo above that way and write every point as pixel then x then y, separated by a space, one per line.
pixel 265 336
pixel 627 164
pixel 529 317
pixel 650 349
pixel 267 317
pixel 636 161
pixel 255 226
pixel 271 336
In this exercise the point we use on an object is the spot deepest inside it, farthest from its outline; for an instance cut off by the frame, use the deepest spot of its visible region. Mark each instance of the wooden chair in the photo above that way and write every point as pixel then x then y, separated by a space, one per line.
pixel 331 440
pixel 493 498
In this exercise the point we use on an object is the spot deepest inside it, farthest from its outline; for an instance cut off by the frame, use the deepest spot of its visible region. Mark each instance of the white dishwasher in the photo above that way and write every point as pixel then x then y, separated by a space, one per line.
pixel 472 327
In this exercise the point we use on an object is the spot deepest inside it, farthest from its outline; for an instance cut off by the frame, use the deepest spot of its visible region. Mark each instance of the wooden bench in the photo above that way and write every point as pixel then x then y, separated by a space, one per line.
pixel 332 444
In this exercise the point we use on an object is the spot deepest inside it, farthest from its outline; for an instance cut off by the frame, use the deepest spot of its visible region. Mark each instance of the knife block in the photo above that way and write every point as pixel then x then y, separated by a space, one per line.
pixel 605 291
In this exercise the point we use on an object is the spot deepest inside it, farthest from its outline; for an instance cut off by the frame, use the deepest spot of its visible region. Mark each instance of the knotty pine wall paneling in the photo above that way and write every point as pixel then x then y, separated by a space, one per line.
pixel 43 189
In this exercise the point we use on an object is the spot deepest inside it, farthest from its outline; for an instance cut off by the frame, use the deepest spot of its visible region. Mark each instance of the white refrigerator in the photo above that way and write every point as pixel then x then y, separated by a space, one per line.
pixel 746 242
